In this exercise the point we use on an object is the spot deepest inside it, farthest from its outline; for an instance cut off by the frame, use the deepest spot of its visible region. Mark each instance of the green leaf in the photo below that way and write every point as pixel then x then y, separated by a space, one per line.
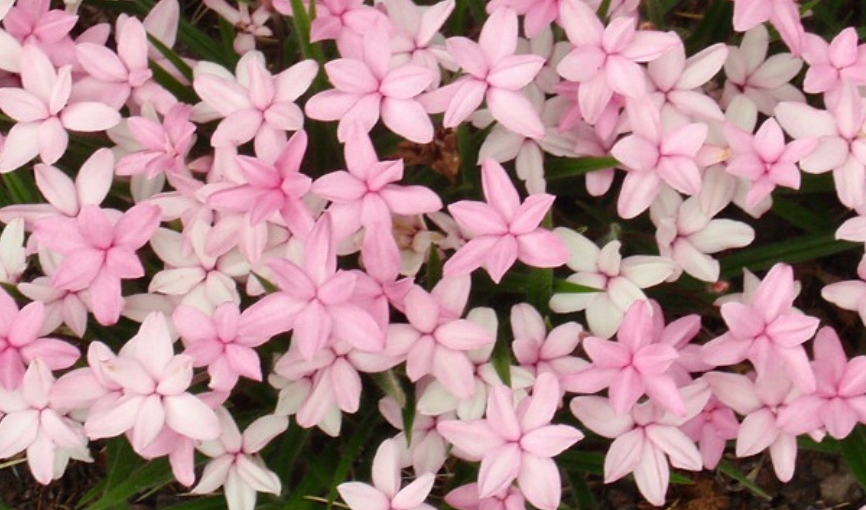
pixel 854 450
pixel 791 251
pixel 353 451
pixel 179 63
pixel 800 216
pixel 434 270
pixel 153 474
pixel 563 168
pixel 269 286
pixel 733 472
pixel 501 359
pixel 540 289
pixel 582 494
pixel 828 445
pixel 567 287
pixel 21 187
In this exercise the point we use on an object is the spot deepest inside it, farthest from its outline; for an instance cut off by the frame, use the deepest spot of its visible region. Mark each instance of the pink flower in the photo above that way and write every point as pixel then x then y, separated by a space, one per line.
pixel 842 60
pixel 43 113
pixel 153 384
pixel 638 362
pixel 605 59
pixel 34 422
pixel 249 25
pixel 437 338
pixel 645 439
pixel 423 447
pixel 540 351
pixel 712 429
pixel 369 87
pixel 254 104
pixel 767 330
pixel 678 79
pixel 655 155
pixel 771 420
pixel 225 343
pixel 765 160
pixel 20 342
pixel 235 461
pixel 493 73
pixel 517 443
pixel 99 252
pixel 503 230
pixel 164 145
pixel 368 191
pixel 385 493
pixel 849 294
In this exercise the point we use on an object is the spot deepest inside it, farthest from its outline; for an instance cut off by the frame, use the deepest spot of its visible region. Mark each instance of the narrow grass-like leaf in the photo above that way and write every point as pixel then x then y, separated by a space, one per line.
pixel 733 472
pixel 179 63
pixel 716 26
pixel 580 491
pixel 540 289
pixel 564 168
pixel 155 473
pixel 565 286
pixel 854 450
pixel 501 358
pixel 353 451
pixel 434 270
pixel 183 93
pixel 21 187
pixel 801 216
pixel 828 445
pixel 791 251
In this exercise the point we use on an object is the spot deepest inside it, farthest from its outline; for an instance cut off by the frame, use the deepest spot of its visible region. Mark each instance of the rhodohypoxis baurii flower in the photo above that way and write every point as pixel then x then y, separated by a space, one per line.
pixel 43 113
pixel 655 155
pixel 493 74
pixel 367 192
pixel 318 298
pixel 415 32
pixel 770 418
pixel 270 188
pixel 152 383
pixel 437 338
pixel 98 251
pixel 768 331
pixel 605 59
pixel 34 422
pixel 164 145
pixel 503 229
pixel 225 342
pixel 517 442
pixel 619 281
pixel 540 351
pixel 20 342
pixel 385 493
pixel 841 386
pixel 678 79
pixel 368 87
pixel 645 439
pixel 249 25
pixel 638 362
pixel 849 294
pixel 255 104
pixel 832 64
pixel 765 160
pixel 236 464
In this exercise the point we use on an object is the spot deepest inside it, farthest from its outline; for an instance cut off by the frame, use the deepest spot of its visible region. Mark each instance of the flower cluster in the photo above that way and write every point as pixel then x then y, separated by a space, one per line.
pixel 251 206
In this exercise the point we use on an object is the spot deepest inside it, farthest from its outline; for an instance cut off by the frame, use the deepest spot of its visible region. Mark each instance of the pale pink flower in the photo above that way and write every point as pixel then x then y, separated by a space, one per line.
pixel 656 154
pixel 13 255
pixel 385 493
pixel 427 450
pixel 319 298
pixel 605 60
pixel 153 384
pixel 164 145
pixel 770 418
pixel 504 230
pixel 645 440
pixel 236 463
pixel 765 160
pixel 517 442
pixel 43 113
pixel 841 386
pixel 768 331
pixel 849 294
pixel 416 37
pixel 369 87
pixel 61 306
pixel 688 233
pixel 225 342
pixel 618 281
pixel 99 251
pixel 367 192
pixel 250 25
pixel 541 351
pixel 638 363
pixel 677 81
pixel 832 64
pixel 784 15
pixel 712 428
pixel 438 338
pixel 34 422
pixel 112 77
pixel 270 189
pixel 841 148
pixel 34 23
pixel 493 73
pixel 345 21
pixel 21 343
pixel 254 103
pixel 765 81
pixel 466 498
